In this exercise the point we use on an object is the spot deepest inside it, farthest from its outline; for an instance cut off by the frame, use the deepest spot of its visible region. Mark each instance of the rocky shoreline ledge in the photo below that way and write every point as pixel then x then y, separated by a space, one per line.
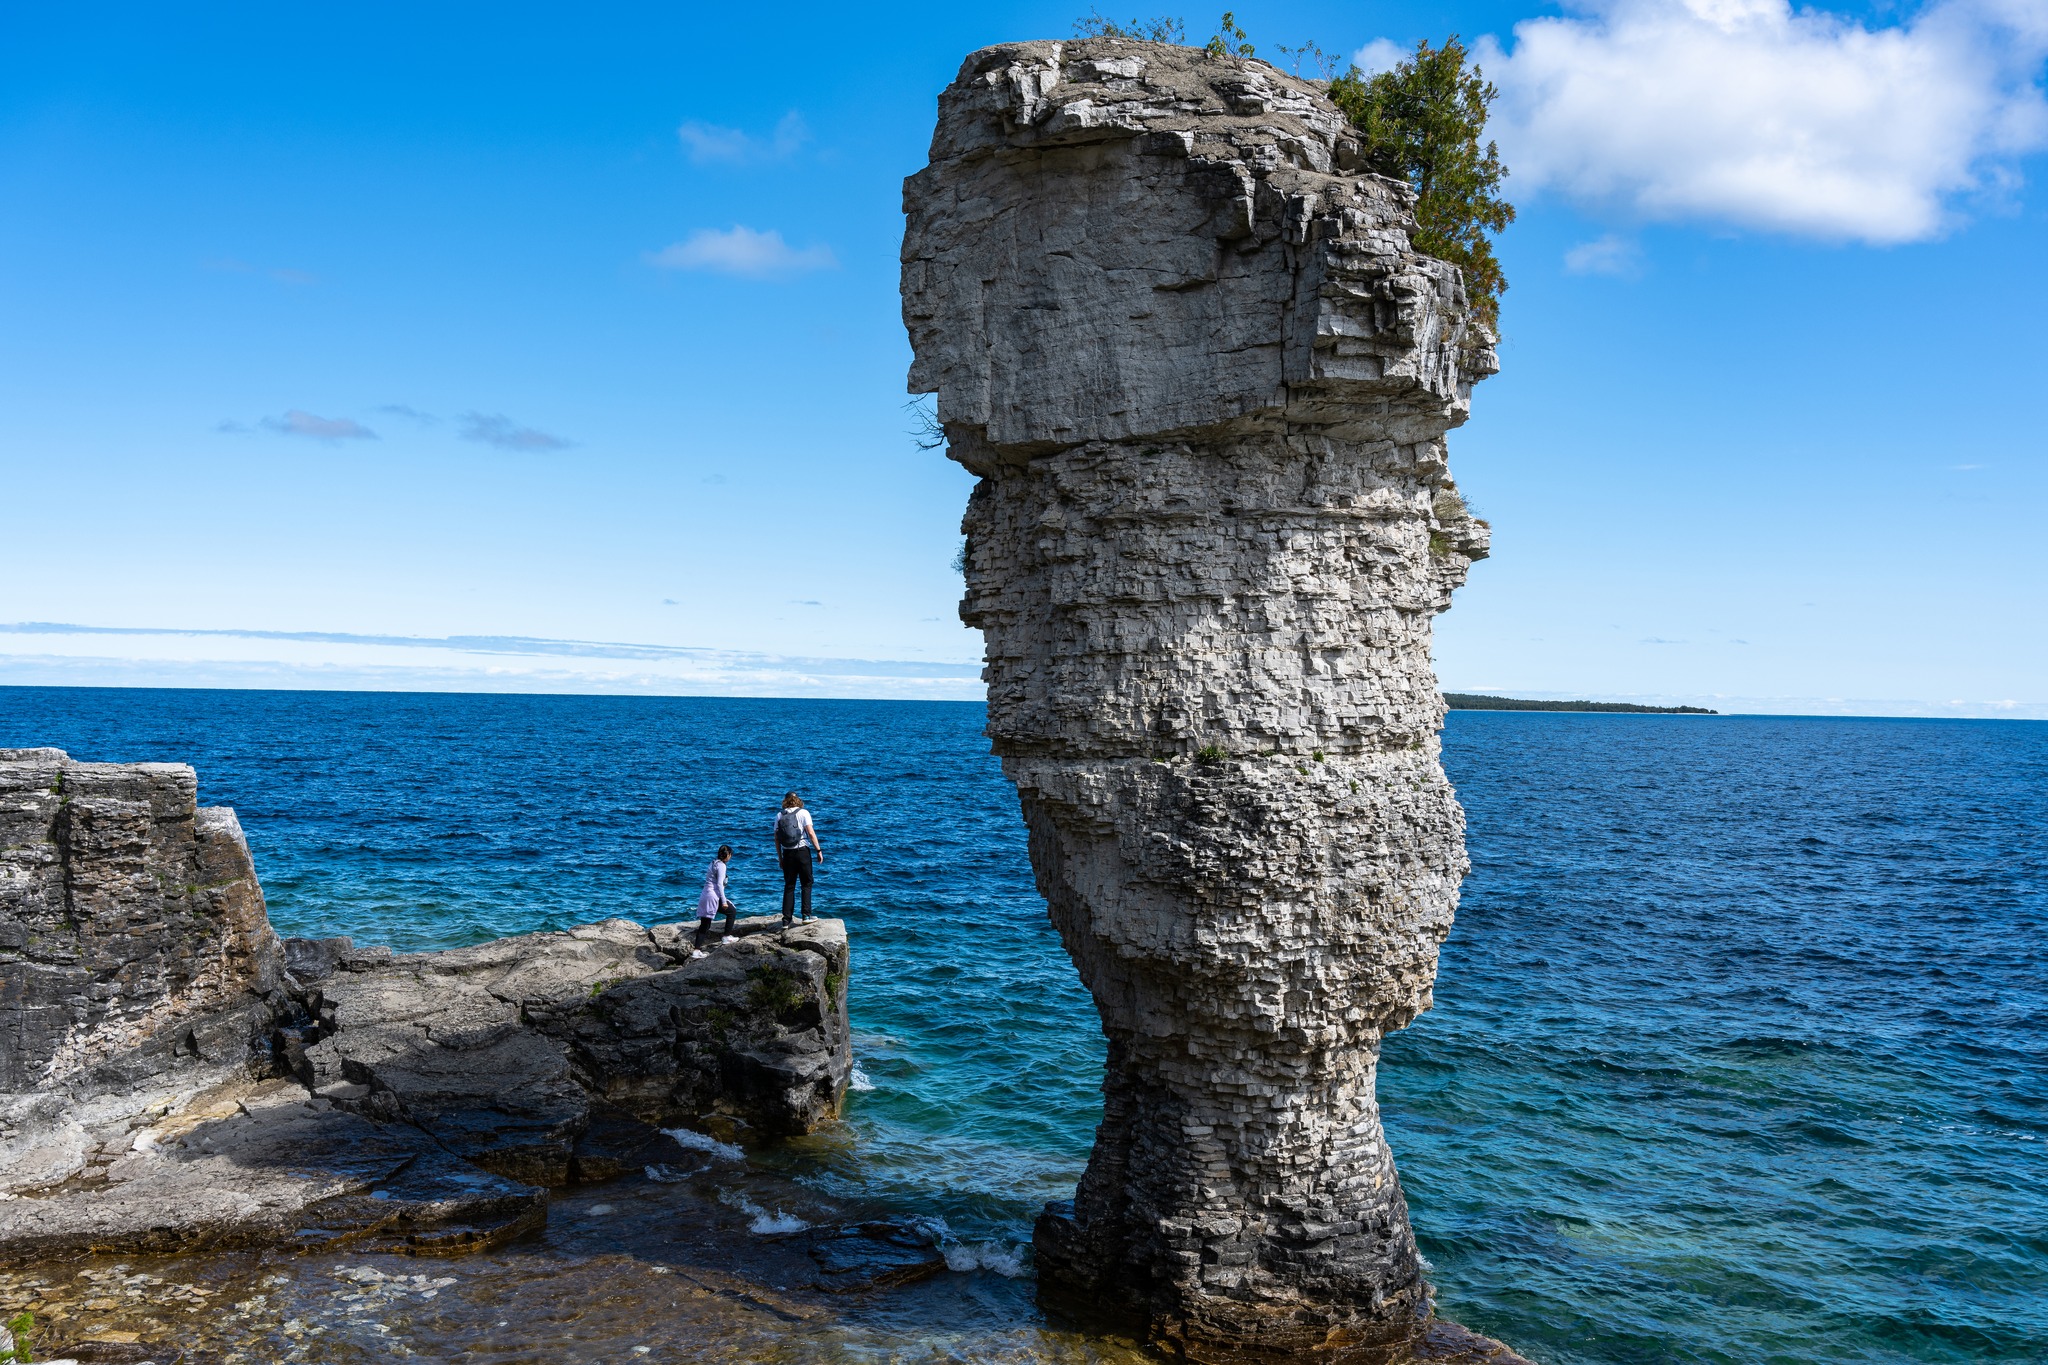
pixel 176 1078
pixel 218 1146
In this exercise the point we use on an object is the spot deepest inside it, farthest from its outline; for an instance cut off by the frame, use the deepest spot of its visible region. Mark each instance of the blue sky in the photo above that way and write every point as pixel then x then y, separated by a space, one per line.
pixel 425 336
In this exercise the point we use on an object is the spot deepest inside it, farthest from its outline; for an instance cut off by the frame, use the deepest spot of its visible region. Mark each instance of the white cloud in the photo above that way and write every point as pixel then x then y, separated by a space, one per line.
pixel 709 142
pixel 1381 54
pixel 1748 112
pixel 496 429
pixel 1608 255
pixel 298 423
pixel 741 251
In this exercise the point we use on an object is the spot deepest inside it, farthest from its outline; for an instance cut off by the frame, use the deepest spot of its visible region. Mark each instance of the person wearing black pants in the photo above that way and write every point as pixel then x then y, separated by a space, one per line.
pixel 796 840
pixel 712 901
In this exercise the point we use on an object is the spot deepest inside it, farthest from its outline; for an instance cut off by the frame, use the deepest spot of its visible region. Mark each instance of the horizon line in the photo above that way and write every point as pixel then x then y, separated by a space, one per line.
pixel 545 666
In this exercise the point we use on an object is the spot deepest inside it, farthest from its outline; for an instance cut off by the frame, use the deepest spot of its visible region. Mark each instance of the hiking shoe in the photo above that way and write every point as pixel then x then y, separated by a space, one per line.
pixel 696 953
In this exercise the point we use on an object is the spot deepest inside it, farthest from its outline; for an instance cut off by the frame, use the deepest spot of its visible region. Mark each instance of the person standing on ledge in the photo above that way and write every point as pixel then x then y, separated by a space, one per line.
pixel 712 900
pixel 796 838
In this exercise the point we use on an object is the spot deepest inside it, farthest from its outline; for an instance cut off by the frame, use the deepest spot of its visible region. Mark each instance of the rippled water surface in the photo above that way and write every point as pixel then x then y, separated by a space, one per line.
pixel 1737 1053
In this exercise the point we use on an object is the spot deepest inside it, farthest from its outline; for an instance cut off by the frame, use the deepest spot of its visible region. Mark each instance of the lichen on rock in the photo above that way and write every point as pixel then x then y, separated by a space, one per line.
pixel 1204 382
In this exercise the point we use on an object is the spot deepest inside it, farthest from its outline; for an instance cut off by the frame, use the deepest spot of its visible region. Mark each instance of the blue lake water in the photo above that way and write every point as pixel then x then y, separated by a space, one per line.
pixel 1738 1050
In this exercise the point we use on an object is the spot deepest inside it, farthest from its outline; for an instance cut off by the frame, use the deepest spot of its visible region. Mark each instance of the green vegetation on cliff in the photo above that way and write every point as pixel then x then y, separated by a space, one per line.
pixel 1421 122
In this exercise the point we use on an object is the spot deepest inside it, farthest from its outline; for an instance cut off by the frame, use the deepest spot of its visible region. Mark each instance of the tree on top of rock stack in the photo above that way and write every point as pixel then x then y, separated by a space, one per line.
pixel 1421 122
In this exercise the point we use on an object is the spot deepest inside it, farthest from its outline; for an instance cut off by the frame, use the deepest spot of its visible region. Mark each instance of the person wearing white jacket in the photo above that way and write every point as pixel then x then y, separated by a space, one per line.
pixel 712 901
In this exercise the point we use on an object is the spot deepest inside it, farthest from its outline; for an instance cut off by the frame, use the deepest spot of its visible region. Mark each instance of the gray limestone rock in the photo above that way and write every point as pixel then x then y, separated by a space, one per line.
pixel 137 965
pixel 499 1050
pixel 1204 380
pixel 755 1032
pixel 264 1164
pixel 172 1077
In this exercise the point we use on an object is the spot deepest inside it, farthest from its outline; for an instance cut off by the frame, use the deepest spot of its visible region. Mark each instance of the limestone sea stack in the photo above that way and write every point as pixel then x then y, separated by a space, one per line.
pixel 1204 378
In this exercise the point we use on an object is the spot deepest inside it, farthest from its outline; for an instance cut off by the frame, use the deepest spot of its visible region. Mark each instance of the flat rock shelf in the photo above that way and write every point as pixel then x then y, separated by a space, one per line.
pixel 179 1079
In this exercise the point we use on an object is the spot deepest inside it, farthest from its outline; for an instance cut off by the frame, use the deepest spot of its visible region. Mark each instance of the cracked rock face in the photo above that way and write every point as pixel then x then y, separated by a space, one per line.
pixel 1204 381
pixel 137 965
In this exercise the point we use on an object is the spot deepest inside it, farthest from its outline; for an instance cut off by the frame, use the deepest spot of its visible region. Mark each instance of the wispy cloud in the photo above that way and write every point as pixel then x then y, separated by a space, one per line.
pixel 712 142
pixel 1608 255
pixel 301 423
pixel 496 429
pixel 1753 113
pixel 52 654
pixel 742 251
pixel 425 419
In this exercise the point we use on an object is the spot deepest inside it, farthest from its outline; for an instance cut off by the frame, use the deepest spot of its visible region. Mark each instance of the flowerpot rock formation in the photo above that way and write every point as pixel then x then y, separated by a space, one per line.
pixel 1203 377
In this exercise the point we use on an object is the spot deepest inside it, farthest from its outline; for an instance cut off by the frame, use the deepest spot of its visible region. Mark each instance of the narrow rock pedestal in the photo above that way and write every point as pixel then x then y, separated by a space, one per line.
pixel 1204 380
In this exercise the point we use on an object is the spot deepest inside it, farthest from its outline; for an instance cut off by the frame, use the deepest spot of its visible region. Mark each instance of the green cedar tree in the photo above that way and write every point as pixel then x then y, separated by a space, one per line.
pixel 1421 123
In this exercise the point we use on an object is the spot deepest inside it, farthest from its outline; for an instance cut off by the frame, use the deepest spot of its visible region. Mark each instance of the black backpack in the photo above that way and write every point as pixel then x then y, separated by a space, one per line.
pixel 789 831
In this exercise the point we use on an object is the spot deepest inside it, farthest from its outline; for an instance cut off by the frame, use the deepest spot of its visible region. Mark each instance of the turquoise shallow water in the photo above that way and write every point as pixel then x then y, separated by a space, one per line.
pixel 1738 1049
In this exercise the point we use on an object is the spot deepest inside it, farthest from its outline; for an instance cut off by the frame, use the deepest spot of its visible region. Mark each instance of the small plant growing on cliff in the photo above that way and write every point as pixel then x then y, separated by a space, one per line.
pixel 1210 753
pixel 1229 40
pixel 720 1020
pixel 1163 29
pixel 15 1337
pixel 925 427
pixel 1328 63
pixel 1421 122
pixel 773 990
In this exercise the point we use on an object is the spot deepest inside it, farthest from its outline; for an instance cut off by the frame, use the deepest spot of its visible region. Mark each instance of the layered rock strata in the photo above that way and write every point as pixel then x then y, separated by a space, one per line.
pixel 137 964
pixel 1204 380
pixel 177 1079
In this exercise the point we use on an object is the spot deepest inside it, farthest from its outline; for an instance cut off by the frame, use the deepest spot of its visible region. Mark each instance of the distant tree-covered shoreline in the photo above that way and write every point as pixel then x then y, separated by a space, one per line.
pixel 1472 701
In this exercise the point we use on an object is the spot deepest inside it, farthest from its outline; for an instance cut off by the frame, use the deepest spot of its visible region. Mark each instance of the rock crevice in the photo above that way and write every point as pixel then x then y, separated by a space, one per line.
pixel 1204 380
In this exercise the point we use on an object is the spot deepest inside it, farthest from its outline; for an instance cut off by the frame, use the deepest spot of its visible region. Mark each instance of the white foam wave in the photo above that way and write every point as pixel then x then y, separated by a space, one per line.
pixel 763 1222
pixel 1007 1261
pixel 859 1079
pixel 704 1142
pixel 776 1224
pixel 669 1175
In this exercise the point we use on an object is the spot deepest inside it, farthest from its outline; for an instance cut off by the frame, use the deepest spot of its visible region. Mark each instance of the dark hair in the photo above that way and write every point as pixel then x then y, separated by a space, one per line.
pixel 725 850
pixel 791 801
